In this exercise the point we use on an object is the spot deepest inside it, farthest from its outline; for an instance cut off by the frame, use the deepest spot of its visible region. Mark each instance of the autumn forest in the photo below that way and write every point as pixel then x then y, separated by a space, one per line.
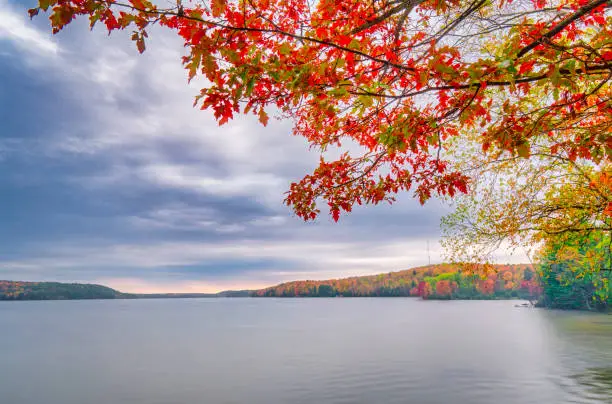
pixel 429 282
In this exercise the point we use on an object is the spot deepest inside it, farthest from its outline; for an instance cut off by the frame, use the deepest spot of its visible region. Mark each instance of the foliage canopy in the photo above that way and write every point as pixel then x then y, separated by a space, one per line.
pixel 389 82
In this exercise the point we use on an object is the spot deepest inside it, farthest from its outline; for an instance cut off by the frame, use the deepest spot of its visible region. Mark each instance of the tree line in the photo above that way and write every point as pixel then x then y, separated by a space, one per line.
pixel 16 290
pixel 429 282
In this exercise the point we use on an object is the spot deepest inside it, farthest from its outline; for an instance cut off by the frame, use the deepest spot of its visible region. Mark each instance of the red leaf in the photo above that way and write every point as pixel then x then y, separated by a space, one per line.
pixel 140 44
pixel 526 67
pixel 335 214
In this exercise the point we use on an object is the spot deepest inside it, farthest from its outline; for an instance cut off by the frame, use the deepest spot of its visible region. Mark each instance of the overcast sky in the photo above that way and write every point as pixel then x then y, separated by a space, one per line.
pixel 109 175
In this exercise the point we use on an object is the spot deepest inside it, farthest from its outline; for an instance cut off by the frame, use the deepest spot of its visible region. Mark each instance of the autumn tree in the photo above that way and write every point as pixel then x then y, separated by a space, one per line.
pixel 386 85
pixel 443 288
pixel 575 271
pixel 557 207
pixel 448 283
pixel 527 203
pixel 487 287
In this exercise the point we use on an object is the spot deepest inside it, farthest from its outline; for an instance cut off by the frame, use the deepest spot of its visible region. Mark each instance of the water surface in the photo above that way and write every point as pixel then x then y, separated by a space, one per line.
pixel 363 350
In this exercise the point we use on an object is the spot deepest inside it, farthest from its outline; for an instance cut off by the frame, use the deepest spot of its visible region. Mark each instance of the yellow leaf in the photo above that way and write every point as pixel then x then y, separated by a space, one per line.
pixel 263 117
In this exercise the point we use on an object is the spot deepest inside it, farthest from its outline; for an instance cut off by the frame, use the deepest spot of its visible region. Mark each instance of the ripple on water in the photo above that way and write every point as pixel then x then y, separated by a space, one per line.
pixel 329 351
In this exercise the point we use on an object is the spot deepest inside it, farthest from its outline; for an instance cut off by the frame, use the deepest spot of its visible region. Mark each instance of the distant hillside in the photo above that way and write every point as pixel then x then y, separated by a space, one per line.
pixel 226 293
pixel 235 293
pixel 15 290
pixel 431 282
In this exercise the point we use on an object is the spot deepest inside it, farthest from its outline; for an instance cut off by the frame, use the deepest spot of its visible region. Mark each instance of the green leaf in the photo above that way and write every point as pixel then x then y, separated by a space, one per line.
pixel 231 55
pixel 474 74
pixel 284 49
pixel 524 150
pixel 44 4
pixel 249 87
pixel 555 75
pixel 366 100
pixel 571 66
pixel 442 68
pixel 338 91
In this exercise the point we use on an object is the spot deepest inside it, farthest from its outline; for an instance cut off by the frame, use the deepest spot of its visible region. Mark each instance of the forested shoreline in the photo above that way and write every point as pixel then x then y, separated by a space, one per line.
pixel 442 281
pixel 17 290
pixel 550 284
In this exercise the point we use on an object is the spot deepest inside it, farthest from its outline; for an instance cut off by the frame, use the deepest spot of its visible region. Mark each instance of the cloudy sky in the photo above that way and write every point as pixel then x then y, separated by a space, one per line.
pixel 109 175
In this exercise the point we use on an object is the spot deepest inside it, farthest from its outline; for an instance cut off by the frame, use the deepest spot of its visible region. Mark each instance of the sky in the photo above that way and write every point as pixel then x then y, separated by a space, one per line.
pixel 109 175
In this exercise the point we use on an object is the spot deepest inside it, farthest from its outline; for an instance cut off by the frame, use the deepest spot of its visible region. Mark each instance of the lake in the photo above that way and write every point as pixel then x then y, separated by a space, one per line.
pixel 362 350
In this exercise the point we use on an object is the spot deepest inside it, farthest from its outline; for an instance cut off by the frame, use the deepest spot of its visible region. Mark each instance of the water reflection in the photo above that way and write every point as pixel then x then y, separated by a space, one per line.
pixel 596 383
pixel 332 351
pixel 582 344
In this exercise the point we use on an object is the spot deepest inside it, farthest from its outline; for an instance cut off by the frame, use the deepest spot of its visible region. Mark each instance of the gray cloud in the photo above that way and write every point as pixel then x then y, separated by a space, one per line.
pixel 132 186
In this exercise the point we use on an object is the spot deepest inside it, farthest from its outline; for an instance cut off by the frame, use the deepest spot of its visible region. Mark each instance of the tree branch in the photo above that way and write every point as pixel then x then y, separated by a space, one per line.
pixel 563 24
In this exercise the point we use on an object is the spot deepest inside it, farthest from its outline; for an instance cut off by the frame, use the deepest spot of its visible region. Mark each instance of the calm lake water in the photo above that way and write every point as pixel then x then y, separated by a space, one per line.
pixel 210 351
